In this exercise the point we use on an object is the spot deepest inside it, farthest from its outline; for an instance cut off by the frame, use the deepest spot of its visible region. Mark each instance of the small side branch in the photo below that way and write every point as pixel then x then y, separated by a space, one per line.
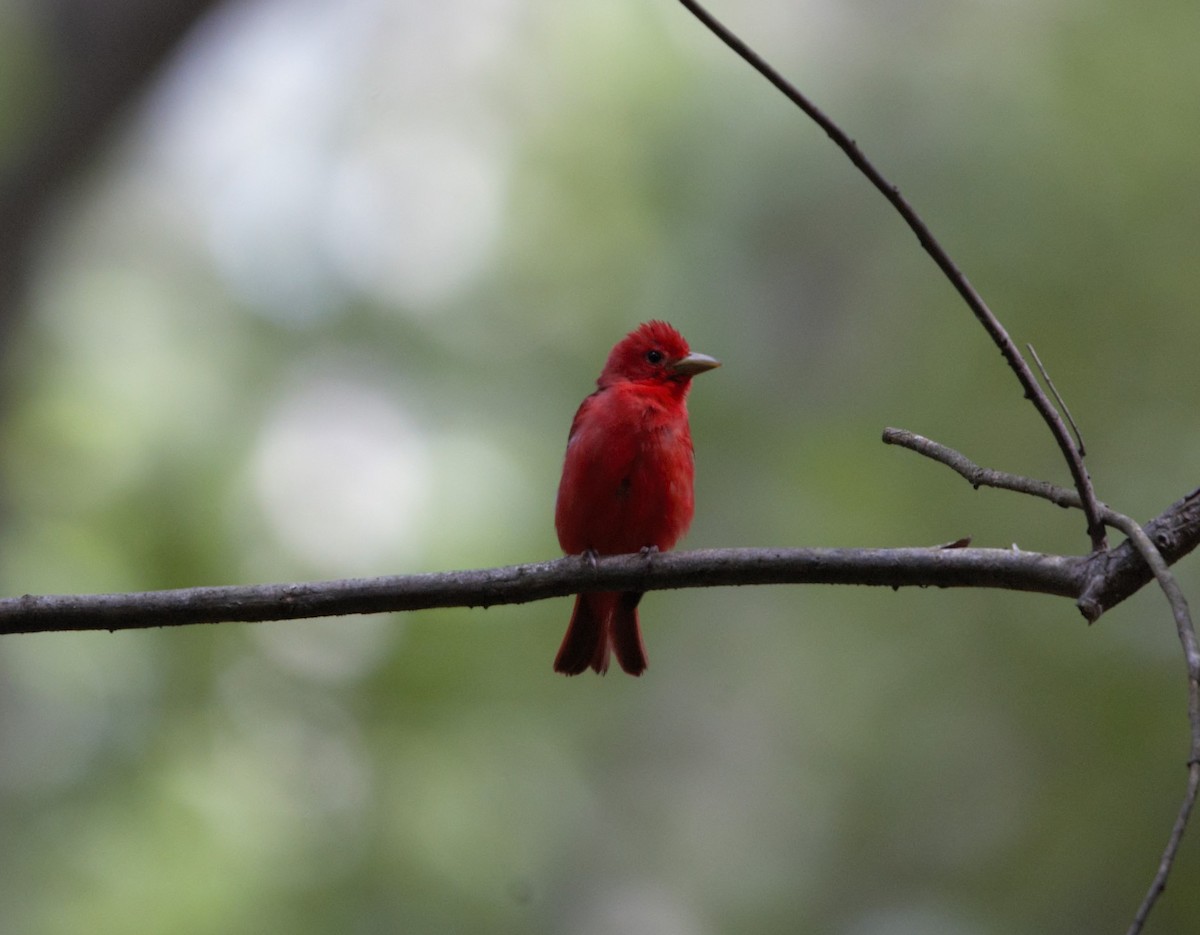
pixel 983 477
pixel 1115 575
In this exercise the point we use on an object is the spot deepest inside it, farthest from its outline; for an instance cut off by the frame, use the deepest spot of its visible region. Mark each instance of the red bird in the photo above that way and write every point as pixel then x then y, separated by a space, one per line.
pixel 626 484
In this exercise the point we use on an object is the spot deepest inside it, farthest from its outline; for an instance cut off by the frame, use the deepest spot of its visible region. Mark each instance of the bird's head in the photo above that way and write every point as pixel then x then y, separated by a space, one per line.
pixel 654 353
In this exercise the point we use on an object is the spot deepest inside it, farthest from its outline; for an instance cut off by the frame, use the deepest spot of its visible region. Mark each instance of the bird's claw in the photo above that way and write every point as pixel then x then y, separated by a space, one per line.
pixel 589 556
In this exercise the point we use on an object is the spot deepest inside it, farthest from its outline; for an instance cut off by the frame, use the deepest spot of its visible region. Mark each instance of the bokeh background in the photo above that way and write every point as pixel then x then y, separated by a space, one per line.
pixel 322 302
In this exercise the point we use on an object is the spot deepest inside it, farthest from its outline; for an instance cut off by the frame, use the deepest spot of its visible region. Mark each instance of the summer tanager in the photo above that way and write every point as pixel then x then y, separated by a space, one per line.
pixel 626 484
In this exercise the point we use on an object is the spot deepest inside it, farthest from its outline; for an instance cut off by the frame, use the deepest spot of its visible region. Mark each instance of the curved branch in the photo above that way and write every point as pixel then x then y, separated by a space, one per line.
pixel 1151 548
pixel 991 324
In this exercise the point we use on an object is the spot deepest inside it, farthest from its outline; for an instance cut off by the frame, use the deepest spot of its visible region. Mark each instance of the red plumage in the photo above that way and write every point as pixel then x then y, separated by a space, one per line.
pixel 626 484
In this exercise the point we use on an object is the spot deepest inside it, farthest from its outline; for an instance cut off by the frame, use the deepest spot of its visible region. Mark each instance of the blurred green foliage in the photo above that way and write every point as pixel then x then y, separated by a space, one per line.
pixel 326 308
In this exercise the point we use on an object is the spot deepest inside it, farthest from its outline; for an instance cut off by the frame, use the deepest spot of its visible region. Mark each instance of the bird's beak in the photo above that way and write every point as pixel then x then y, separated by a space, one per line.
pixel 693 364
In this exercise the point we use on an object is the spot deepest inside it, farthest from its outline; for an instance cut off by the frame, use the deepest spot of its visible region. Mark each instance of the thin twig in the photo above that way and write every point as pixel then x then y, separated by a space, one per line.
pixel 1172 849
pixel 974 300
pixel 1191 653
pixel 986 477
pixel 1062 403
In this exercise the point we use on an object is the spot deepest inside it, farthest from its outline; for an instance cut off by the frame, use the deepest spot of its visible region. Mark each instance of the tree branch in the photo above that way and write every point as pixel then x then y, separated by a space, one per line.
pixel 516 584
pixel 1122 570
pixel 1155 564
pixel 1175 533
pixel 991 324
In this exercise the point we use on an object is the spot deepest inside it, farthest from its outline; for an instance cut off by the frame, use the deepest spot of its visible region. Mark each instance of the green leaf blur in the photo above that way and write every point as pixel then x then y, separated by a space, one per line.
pixel 326 307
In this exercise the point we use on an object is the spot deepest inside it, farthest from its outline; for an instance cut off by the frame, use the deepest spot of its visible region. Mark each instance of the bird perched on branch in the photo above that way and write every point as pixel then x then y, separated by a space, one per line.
pixel 626 484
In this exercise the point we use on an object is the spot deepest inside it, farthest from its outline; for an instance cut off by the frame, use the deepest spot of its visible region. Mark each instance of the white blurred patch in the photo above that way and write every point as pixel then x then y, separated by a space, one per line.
pixel 330 650
pixel 240 135
pixel 917 919
pixel 638 908
pixel 342 477
pixel 414 215
pixel 478 491
pixel 327 147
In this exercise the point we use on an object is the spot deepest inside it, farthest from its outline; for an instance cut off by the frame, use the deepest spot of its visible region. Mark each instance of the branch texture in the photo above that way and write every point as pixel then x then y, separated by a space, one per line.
pixel 1064 576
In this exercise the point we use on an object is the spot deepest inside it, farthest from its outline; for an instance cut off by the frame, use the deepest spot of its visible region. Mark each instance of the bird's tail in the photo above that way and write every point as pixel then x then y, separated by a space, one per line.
pixel 603 622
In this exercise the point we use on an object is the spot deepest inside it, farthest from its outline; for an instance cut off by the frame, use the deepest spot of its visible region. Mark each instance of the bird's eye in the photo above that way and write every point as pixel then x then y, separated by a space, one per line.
pixel 655 356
